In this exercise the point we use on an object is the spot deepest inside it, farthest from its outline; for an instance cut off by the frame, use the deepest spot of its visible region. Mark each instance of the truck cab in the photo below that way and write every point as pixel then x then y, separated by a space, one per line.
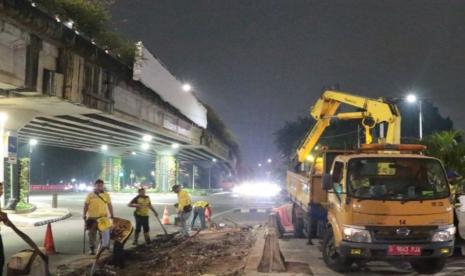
pixel 388 206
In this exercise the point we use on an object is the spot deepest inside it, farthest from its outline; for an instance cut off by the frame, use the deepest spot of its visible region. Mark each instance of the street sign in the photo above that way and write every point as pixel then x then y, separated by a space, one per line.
pixel 12 149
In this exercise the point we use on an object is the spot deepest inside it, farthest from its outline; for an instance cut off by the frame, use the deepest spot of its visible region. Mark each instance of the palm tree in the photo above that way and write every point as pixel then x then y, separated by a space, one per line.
pixel 448 147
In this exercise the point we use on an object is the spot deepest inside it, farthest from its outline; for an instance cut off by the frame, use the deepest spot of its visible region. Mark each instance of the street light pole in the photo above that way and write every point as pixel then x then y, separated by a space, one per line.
pixel 420 119
pixel 411 98
pixel 210 178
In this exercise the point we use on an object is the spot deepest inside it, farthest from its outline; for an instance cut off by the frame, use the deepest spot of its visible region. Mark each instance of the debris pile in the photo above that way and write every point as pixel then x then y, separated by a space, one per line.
pixel 218 252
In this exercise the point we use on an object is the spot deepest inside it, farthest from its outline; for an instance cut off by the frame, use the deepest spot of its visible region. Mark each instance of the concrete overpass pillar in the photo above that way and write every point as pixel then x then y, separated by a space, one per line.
pixel 111 169
pixel 166 172
pixel 24 179
pixel 10 186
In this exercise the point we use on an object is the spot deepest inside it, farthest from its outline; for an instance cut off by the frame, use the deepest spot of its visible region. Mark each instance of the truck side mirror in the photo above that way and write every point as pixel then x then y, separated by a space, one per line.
pixel 327 182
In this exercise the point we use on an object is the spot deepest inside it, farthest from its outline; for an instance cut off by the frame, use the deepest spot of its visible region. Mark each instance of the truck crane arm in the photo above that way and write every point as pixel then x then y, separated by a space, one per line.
pixel 374 111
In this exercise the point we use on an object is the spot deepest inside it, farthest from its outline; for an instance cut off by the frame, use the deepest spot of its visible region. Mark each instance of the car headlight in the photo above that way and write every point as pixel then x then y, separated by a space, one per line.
pixel 444 233
pixel 356 234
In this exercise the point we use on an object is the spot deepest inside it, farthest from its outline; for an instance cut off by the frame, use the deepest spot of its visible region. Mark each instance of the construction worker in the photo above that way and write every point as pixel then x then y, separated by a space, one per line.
pixel 184 207
pixel 97 207
pixel 200 207
pixel 142 204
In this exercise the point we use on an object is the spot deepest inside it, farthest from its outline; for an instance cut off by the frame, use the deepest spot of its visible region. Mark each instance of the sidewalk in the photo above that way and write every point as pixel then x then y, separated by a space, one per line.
pixel 42 215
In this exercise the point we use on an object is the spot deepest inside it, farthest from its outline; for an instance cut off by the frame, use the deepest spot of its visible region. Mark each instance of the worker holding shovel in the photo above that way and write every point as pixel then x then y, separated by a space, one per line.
pixel 142 204
pixel 184 207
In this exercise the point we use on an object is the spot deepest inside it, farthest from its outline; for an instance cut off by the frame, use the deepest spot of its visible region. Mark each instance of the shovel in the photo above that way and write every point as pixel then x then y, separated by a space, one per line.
pixel 166 237
pixel 97 257
pixel 162 227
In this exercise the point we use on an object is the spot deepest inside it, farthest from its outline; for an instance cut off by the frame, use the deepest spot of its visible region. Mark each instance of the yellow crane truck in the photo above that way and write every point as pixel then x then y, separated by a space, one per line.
pixel 385 200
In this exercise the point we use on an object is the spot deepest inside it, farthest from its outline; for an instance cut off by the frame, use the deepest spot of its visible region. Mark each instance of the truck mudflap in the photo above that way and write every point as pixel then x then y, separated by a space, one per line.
pixel 376 251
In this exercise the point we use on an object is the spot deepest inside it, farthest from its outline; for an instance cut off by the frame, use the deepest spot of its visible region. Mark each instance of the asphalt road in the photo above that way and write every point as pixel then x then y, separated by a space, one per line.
pixel 68 234
pixel 227 208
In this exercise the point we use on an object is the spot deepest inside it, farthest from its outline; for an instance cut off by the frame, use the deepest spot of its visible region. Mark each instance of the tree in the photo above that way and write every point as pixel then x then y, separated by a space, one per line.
pixel 91 17
pixel 448 146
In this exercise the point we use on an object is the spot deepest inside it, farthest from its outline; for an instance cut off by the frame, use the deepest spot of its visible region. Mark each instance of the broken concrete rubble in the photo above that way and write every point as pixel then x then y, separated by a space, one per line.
pixel 218 252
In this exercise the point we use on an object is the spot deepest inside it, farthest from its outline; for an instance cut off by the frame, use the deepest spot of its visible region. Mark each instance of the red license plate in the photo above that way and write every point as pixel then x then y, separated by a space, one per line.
pixel 401 250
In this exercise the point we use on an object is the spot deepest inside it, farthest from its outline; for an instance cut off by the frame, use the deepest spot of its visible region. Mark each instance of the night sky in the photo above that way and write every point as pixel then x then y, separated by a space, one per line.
pixel 260 63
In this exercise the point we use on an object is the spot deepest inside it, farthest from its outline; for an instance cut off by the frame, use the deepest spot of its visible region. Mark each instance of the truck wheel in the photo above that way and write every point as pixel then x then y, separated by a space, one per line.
pixel 428 266
pixel 331 257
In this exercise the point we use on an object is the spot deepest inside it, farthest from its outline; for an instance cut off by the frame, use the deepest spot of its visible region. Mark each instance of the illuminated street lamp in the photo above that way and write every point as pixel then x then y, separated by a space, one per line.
pixel 33 142
pixel 147 138
pixel 145 146
pixel 174 145
pixel 310 158
pixel 186 87
pixel 412 99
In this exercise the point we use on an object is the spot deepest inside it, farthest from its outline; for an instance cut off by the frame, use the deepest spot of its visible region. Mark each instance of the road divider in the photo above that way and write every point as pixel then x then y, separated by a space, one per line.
pixel 253 210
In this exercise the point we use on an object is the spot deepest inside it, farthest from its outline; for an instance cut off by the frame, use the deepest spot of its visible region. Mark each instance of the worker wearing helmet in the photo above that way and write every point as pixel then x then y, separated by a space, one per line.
pixel 184 207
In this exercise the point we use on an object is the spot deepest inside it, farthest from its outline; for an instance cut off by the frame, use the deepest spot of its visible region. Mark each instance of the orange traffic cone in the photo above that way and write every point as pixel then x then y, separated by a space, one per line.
pixel 166 216
pixel 49 244
pixel 208 214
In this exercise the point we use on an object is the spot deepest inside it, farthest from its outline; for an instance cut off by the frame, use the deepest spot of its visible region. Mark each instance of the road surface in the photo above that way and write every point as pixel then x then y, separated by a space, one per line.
pixel 227 208
pixel 68 234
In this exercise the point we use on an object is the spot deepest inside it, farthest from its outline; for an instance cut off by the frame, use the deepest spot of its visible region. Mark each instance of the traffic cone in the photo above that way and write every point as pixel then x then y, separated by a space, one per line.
pixel 208 214
pixel 166 216
pixel 49 244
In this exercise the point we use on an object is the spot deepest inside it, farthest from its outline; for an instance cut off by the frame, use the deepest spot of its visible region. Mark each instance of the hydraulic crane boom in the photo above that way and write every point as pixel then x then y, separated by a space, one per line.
pixel 374 111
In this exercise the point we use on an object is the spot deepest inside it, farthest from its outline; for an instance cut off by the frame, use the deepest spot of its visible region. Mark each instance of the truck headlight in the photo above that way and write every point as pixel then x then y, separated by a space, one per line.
pixel 356 234
pixel 444 233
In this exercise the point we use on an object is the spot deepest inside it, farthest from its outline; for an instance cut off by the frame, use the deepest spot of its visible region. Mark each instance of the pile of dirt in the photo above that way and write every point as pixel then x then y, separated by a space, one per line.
pixel 220 252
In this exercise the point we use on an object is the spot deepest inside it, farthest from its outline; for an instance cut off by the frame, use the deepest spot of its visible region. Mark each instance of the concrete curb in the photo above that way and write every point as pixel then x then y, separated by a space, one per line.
pixel 21 212
pixel 21 221
pixel 44 222
pixel 256 253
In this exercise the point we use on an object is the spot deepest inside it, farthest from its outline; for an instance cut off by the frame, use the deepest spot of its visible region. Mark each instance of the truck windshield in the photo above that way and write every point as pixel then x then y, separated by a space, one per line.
pixel 397 179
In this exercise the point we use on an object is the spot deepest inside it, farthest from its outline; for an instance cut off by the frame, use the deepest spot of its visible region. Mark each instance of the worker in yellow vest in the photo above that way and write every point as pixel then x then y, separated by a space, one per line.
pixel 184 207
pixel 199 211
pixel 143 205
pixel 97 214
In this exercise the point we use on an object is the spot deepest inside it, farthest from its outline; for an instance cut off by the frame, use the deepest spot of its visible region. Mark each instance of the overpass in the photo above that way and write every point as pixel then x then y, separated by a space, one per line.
pixel 59 87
